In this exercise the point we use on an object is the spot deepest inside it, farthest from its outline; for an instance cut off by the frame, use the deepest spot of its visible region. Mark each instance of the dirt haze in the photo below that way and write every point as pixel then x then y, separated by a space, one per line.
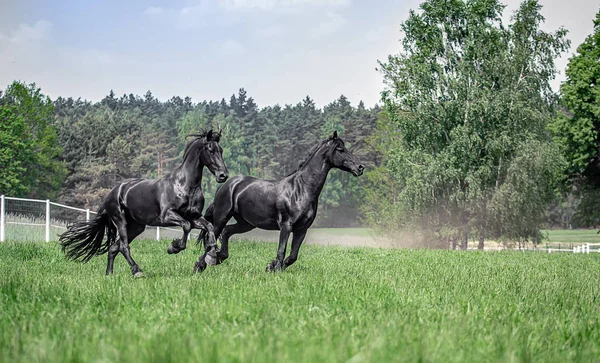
pixel 340 237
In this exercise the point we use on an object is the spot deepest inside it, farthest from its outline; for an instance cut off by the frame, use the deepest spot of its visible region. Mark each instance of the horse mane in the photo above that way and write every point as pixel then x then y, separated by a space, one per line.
pixel 311 153
pixel 198 137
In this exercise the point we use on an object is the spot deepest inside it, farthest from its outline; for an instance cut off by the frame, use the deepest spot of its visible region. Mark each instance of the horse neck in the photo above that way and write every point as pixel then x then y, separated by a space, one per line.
pixel 313 173
pixel 190 171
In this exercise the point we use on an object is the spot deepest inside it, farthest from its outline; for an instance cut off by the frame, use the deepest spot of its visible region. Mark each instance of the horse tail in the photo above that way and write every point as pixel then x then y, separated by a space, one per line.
pixel 84 240
pixel 209 216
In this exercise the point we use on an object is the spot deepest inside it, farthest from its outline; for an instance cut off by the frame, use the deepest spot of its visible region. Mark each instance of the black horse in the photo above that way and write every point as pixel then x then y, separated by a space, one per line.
pixel 288 205
pixel 174 200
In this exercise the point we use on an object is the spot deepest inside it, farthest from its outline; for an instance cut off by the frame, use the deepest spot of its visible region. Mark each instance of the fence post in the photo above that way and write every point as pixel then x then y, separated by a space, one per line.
pixel 587 248
pixel 158 233
pixel 1 218
pixel 87 215
pixel 47 220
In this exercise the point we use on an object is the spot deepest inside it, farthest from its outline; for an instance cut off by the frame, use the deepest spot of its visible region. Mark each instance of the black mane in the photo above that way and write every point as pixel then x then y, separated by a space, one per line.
pixel 312 152
pixel 199 137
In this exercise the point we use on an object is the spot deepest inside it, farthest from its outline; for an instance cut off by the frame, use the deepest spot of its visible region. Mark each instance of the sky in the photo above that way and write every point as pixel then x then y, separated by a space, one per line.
pixel 280 51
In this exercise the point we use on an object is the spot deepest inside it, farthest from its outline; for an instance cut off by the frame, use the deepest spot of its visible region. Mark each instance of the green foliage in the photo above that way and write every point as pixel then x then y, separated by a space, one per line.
pixel 136 136
pixel 334 304
pixel 471 100
pixel 29 165
pixel 12 145
pixel 577 128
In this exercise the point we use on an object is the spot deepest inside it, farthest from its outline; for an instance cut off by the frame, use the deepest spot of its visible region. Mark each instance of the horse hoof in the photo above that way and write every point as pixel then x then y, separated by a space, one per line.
pixel 199 266
pixel 210 260
pixel 274 267
pixel 172 250
pixel 139 274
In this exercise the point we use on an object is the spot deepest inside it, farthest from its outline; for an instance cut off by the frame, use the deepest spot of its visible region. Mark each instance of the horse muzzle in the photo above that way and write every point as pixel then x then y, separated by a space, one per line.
pixel 358 171
pixel 222 177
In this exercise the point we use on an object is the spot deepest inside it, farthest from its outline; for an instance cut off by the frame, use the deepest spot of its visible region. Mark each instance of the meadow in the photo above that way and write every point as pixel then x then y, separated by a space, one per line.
pixel 336 304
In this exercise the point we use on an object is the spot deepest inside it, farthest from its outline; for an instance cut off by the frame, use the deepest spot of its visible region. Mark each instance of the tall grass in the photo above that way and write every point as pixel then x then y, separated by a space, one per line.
pixel 335 304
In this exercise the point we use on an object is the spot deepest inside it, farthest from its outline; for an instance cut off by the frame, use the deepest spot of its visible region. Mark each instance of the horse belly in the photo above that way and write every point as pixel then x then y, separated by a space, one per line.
pixel 143 204
pixel 260 215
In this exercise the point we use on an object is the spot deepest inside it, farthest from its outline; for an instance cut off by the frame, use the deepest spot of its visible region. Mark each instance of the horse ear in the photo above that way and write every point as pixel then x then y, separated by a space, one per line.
pixel 335 135
pixel 209 135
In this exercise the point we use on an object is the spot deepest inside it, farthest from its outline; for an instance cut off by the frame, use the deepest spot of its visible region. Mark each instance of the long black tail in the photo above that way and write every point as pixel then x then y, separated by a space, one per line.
pixel 84 240
pixel 209 217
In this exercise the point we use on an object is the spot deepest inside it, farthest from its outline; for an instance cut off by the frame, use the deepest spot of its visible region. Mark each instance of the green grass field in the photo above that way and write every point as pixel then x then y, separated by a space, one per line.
pixel 335 304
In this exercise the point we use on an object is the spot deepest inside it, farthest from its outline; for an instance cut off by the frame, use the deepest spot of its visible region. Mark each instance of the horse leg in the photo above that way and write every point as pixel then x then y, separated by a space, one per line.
pixel 177 245
pixel 219 223
pixel 210 245
pixel 121 224
pixel 112 253
pixel 296 243
pixel 133 230
pixel 240 227
pixel 284 234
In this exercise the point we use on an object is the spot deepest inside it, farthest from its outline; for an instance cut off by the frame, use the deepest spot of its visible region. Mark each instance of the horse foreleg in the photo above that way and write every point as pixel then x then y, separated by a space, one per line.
pixel 284 234
pixel 210 245
pixel 296 243
pixel 172 217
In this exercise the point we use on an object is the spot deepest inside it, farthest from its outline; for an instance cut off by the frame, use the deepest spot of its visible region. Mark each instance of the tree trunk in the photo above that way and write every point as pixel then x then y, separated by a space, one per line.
pixel 464 242
pixel 453 241
pixel 481 240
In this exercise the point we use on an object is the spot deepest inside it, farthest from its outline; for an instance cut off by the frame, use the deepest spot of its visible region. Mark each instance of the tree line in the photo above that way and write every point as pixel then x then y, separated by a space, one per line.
pixel 97 144
pixel 470 143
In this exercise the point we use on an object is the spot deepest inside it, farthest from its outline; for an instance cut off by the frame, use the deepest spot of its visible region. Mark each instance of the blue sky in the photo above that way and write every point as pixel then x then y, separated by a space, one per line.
pixel 279 50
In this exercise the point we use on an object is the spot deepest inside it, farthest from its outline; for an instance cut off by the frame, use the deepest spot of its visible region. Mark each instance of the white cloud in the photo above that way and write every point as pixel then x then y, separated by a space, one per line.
pixel 332 24
pixel 26 33
pixel 30 54
pixel 153 10
pixel 276 4
pixel 231 47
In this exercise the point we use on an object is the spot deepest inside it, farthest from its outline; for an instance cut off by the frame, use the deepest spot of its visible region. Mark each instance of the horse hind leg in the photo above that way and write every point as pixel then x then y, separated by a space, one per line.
pixel 240 227
pixel 133 230
pixel 113 251
pixel 121 223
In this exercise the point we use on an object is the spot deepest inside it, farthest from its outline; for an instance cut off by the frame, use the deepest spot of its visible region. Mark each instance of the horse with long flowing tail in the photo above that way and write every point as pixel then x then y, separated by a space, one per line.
pixel 173 200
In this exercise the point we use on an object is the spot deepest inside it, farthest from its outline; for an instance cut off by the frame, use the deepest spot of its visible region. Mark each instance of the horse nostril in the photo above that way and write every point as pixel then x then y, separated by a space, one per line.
pixel 361 167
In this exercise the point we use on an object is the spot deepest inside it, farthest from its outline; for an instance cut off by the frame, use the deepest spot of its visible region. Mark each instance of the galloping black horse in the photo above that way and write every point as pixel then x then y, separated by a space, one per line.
pixel 288 205
pixel 174 200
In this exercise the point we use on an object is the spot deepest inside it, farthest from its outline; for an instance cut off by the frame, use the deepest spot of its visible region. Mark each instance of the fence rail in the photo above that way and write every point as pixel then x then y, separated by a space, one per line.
pixel 44 219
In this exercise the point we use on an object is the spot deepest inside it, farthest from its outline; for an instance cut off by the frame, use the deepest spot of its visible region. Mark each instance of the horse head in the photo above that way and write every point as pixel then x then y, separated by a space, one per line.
pixel 211 156
pixel 340 157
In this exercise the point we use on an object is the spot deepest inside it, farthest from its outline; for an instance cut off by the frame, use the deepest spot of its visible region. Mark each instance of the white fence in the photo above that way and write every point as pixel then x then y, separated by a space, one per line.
pixel 587 248
pixel 35 220
pixel 584 248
